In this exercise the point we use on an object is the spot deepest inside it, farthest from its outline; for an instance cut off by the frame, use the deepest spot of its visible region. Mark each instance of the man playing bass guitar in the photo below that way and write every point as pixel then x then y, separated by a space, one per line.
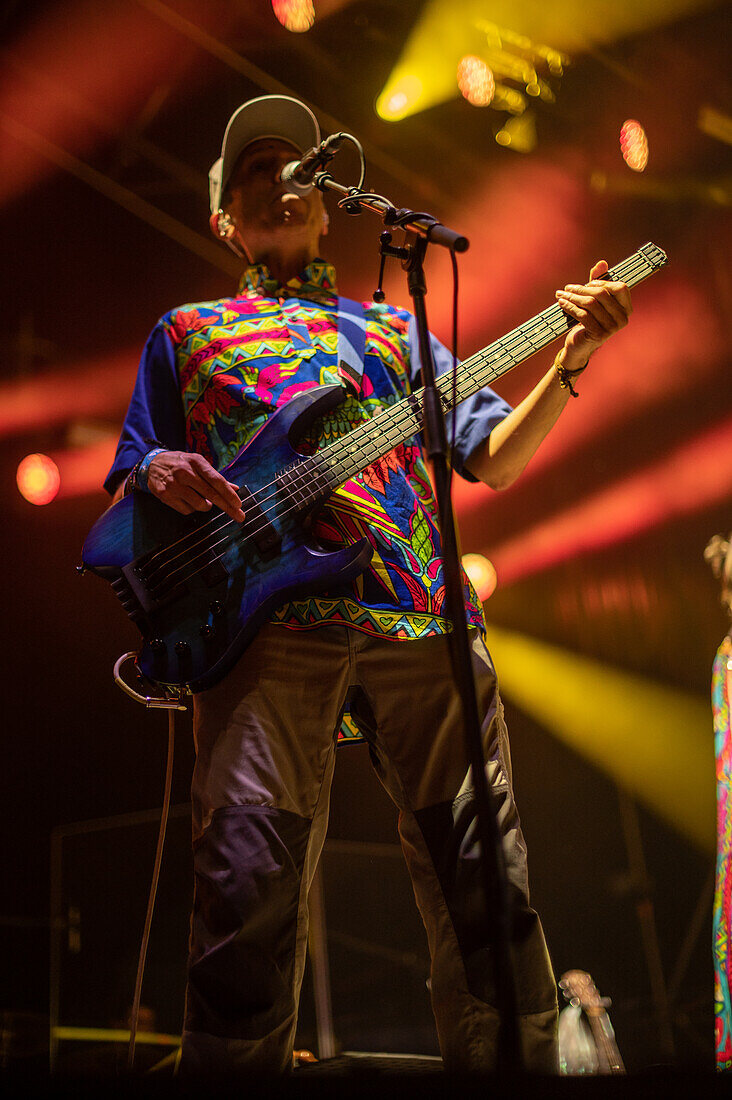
pixel 211 376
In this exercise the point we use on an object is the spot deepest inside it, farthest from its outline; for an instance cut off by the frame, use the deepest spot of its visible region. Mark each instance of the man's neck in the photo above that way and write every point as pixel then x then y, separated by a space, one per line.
pixel 287 264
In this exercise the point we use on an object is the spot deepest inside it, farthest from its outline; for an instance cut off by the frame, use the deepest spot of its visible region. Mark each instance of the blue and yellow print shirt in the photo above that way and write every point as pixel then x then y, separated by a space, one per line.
pixel 211 374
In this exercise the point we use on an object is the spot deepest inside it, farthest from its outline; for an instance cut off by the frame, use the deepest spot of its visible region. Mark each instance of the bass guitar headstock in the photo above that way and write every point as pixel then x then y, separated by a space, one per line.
pixel 580 990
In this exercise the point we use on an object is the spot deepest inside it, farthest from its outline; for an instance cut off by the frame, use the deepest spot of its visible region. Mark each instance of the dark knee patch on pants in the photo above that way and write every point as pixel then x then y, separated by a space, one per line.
pixel 450 833
pixel 248 867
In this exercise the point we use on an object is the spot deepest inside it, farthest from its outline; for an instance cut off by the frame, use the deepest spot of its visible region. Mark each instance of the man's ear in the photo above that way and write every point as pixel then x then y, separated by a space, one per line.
pixel 326 223
pixel 222 226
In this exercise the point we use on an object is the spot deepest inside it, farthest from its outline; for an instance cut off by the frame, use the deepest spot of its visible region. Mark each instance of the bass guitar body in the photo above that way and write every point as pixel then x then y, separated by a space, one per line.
pixel 199 587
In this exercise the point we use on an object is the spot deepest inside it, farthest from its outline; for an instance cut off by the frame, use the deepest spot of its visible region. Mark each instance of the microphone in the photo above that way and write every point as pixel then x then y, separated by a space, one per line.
pixel 298 175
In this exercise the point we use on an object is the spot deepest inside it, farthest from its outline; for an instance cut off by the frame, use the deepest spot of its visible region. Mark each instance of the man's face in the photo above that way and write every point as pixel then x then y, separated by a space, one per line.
pixel 267 215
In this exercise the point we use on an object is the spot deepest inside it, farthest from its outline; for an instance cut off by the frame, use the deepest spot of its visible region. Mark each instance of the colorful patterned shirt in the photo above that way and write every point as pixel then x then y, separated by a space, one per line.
pixel 213 372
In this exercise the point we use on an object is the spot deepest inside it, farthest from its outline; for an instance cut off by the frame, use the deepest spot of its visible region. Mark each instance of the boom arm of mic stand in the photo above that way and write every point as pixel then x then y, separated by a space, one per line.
pixel 424 225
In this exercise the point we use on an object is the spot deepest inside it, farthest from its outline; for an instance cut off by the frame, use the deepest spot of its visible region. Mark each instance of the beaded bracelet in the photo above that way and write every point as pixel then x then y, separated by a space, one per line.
pixel 137 477
pixel 565 376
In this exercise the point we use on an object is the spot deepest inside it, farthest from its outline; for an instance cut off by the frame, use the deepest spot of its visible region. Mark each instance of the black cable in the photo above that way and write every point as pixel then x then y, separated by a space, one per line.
pixel 153 892
pixel 453 427
pixel 361 157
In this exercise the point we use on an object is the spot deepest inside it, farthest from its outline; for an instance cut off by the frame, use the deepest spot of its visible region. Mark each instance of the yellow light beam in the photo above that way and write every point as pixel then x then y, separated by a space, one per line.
pixel 424 74
pixel 715 124
pixel 655 741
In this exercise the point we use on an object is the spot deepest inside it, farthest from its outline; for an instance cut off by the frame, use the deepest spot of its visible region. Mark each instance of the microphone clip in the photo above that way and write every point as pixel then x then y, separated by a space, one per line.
pixel 386 248
pixel 299 174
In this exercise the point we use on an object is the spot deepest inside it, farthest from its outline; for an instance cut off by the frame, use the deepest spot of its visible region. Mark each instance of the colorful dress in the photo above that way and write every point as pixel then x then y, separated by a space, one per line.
pixel 723 888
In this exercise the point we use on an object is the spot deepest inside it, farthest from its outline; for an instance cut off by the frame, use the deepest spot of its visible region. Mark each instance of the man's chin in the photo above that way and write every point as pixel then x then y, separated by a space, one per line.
pixel 287 218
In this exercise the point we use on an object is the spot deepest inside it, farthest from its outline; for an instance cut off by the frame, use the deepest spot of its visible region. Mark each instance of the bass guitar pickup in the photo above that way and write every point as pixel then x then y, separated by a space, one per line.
pixel 146 584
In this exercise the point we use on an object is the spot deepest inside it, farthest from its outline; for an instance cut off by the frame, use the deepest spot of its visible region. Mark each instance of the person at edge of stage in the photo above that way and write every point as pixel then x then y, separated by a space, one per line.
pixel 718 554
pixel 210 375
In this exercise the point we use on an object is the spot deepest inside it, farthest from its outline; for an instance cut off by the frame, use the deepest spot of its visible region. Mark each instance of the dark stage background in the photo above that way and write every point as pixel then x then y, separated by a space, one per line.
pixel 110 117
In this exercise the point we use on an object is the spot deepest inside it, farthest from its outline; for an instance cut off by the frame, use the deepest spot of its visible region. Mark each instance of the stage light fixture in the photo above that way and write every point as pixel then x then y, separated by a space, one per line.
pixel 399 99
pixel 634 145
pixel 516 58
pixel 496 66
pixel 38 479
pixel 482 575
pixel 475 80
pixel 297 16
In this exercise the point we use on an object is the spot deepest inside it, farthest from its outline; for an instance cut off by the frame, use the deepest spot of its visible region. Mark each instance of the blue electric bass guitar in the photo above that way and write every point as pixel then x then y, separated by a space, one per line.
pixel 199 587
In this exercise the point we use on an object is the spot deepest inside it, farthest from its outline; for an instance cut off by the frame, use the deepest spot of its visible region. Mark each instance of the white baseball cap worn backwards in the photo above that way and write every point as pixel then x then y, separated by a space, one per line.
pixel 267 116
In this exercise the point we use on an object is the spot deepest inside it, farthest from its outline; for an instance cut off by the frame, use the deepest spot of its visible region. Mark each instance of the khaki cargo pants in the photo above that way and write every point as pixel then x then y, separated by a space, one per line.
pixel 265 741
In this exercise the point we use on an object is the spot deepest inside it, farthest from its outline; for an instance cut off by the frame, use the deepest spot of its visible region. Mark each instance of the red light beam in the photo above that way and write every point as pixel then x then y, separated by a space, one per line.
pixel 692 477
pixel 657 356
pixel 524 215
pixel 83 469
pixel 94 389
pixel 111 55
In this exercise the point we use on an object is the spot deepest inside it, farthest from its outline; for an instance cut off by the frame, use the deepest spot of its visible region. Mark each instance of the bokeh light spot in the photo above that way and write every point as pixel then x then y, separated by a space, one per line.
pixel 482 575
pixel 634 145
pixel 295 15
pixel 475 81
pixel 38 478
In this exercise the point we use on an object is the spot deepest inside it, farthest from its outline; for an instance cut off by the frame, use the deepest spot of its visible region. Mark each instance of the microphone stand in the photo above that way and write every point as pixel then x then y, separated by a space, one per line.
pixel 425 229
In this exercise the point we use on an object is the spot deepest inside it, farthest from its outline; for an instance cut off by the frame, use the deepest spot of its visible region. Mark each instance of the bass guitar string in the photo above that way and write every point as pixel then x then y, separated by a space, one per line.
pixel 397 426
pixel 479 358
pixel 349 443
pixel 324 480
pixel 549 319
pixel 522 334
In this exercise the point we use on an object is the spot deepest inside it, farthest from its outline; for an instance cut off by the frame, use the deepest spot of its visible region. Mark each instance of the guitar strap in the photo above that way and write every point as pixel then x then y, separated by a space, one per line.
pixel 351 344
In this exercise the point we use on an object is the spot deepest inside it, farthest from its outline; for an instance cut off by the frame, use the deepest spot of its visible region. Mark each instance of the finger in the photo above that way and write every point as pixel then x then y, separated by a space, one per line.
pixel 596 284
pixel 621 294
pixel 605 298
pixel 617 289
pixel 225 497
pixel 220 491
pixel 178 505
pixel 602 293
pixel 181 498
pixel 585 306
pixel 586 319
pixel 192 495
pixel 197 492
pixel 620 291
pixel 599 269
pixel 199 502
